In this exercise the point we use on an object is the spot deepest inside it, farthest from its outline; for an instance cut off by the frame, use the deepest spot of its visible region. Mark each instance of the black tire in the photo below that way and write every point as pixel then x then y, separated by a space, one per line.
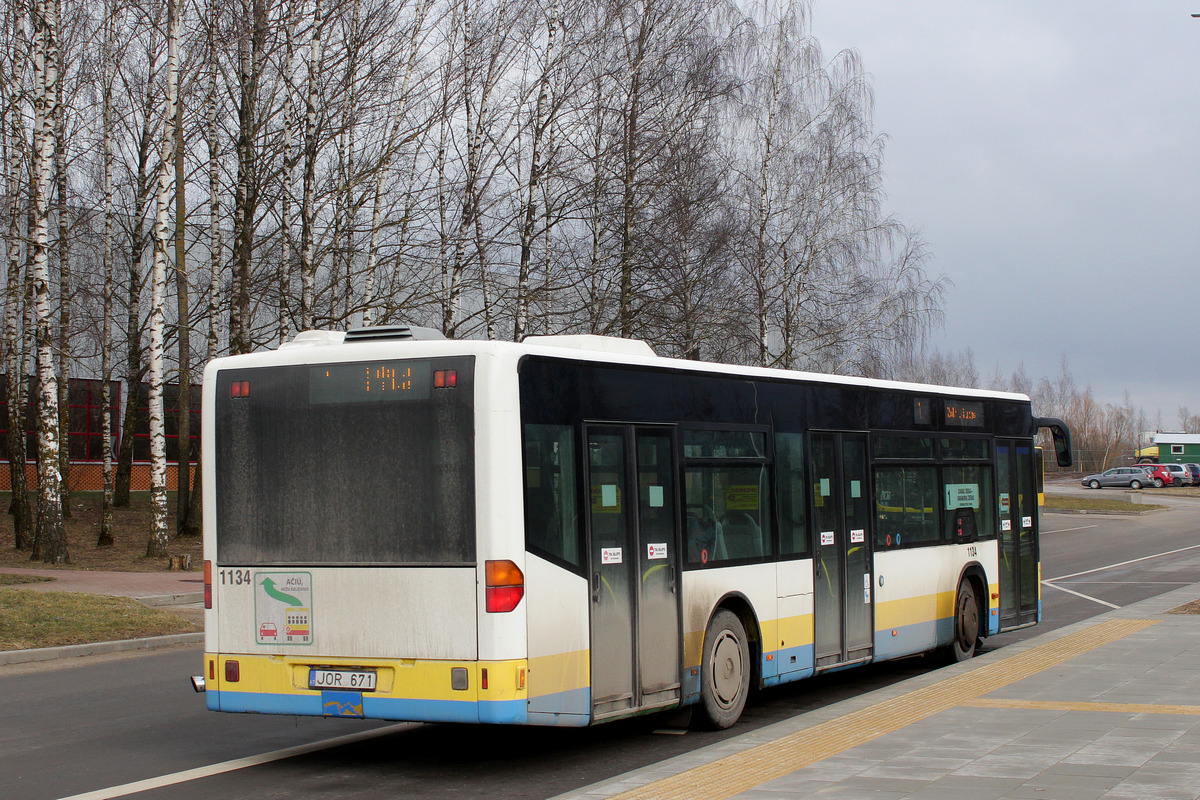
pixel 1135 484
pixel 1093 484
pixel 1158 483
pixel 966 623
pixel 724 671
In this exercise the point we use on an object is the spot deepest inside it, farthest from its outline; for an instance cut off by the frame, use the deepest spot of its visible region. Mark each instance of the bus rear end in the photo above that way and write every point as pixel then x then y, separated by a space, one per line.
pixel 340 540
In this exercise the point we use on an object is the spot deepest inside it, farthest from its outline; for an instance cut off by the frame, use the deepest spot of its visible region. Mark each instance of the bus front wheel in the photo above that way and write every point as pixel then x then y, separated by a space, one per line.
pixel 724 670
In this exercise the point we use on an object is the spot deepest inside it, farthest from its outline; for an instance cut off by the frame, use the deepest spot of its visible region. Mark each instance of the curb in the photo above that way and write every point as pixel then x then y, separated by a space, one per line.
pixel 156 600
pixel 97 648
pixel 1093 513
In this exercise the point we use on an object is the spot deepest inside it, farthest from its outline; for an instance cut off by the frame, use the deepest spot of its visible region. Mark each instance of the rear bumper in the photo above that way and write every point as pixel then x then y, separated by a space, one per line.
pixel 413 690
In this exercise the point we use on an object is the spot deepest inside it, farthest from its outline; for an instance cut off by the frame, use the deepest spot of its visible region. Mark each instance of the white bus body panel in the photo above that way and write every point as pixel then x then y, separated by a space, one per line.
pixel 396 612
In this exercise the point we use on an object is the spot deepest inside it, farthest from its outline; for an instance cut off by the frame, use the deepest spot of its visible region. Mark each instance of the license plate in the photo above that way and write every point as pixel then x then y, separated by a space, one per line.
pixel 355 679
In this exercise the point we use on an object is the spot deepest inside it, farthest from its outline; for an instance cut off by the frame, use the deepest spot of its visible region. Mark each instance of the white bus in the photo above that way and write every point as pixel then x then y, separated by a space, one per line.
pixel 572 530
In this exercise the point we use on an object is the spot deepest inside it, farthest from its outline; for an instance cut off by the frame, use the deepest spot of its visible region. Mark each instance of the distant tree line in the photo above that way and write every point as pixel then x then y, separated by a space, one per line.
pixel 201 177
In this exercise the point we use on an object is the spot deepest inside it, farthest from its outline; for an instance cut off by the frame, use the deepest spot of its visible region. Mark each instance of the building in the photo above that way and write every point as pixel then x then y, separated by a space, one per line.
pixel 85 433
pixel 1178 448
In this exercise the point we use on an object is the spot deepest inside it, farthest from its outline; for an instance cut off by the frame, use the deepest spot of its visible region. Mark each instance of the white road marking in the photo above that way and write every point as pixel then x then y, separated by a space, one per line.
pixel 1079 594
pixel 236 764
pixel 1064 530
pixel 1052 582
pixel 1121 564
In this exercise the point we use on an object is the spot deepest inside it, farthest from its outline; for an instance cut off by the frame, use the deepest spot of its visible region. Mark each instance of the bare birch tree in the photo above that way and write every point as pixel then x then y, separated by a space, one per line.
pixel 50 540
pixel 159 537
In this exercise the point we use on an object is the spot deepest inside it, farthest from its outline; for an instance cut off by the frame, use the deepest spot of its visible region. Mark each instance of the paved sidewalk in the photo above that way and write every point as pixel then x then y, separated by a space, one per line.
pixel 1108 708
pixel 167 588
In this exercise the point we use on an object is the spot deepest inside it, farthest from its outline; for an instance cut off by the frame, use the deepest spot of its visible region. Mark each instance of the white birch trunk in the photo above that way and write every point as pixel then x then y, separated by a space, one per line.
pixel 49 543
pixel 157 546
pixel 106 339
pixel 308 211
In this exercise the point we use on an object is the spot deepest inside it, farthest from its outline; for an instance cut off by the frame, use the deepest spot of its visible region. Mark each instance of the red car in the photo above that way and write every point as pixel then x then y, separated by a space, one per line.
pixel 1159 474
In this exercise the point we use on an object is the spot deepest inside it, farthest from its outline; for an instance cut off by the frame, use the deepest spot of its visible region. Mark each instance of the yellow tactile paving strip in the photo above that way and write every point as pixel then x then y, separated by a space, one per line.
pixel 1054 705
pixel 740 772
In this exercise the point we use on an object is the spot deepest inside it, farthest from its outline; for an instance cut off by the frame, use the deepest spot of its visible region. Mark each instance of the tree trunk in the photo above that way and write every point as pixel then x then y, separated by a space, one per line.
pixel 14 341
pixel 50 540
pixel 105 539
pixel 157 545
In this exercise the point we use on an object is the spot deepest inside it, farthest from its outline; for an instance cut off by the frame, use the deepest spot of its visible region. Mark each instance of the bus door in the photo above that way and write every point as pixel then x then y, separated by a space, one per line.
pixel 843 621
pixel 1017 496
pixel 633 545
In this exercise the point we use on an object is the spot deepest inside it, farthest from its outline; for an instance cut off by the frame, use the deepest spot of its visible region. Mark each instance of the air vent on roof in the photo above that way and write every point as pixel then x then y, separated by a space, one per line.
pixel 379 332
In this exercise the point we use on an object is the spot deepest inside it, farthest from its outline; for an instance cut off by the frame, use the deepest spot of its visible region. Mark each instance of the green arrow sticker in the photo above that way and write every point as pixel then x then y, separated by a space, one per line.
pixel 269 586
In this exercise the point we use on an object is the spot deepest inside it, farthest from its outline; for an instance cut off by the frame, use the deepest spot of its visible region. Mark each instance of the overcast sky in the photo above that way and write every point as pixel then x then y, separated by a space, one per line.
pixel 1050 154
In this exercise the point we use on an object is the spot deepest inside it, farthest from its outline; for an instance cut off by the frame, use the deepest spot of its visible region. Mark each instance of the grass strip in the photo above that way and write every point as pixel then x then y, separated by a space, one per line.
pixel 1066 502
pixel 9 579
pixel 52 619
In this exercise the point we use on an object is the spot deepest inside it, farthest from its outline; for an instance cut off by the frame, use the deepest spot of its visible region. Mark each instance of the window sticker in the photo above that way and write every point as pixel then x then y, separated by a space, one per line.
pixel 655 552
pixel 611 555
pixel 858 537
pixel 741 498
pixel 656 497
pixel 1026 522
pixel 608 495
pixel 1005 504
pixel 826 538
pixel 1006 524
pixel 962 495
pixel 824 487
pixel 855 489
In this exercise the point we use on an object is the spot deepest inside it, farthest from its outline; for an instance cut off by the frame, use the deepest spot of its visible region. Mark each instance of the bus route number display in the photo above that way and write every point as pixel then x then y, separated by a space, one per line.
pixel 964 414
pixel 369 381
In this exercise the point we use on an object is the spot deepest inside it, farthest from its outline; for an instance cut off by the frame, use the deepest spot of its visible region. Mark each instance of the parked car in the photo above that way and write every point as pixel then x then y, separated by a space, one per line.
pixel 1195 470
pixel 1133 477
pixel 1180 475
pixel 1159 474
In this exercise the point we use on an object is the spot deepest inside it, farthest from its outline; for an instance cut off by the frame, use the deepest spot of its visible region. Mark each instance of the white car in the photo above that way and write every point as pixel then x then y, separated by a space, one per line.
pixel 1180 475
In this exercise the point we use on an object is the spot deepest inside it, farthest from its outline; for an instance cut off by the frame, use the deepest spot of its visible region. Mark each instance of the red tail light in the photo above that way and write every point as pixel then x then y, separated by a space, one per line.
pixel 208 584
pixel 445 379
pixel 233 671
pixel 505 586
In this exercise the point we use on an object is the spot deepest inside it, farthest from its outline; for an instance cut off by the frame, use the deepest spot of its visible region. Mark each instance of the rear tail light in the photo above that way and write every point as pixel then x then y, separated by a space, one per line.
pixel 505 586
pixel 233 671
pixel 445 379
pixel 208 584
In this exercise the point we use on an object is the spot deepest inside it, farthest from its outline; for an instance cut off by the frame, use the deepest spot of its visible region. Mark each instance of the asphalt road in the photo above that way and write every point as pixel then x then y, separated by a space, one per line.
pixel 104 723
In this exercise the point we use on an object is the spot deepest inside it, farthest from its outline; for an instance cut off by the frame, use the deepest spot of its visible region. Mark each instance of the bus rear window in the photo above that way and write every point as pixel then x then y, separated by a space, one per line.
pixel 360 463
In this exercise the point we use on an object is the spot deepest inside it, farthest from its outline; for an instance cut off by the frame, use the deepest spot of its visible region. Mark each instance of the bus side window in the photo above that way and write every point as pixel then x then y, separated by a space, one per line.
pixel 551 516
pixel 789 466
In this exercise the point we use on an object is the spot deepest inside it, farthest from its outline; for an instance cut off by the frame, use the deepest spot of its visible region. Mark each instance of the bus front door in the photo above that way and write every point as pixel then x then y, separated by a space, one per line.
pixel 843 621
pixel 1017 495
pixel 634 550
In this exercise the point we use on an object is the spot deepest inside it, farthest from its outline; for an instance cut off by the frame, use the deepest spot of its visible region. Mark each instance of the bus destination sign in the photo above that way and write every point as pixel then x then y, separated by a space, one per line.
pixel 964 414
pixel 368 381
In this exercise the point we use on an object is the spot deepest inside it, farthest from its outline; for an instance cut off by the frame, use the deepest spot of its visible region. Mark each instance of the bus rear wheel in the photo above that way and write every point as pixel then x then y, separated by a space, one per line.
pixel 724 671
pixel 966 623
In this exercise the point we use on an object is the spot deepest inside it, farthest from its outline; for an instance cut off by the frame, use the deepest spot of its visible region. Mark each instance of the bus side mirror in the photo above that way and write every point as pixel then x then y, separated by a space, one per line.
pixel 1062 438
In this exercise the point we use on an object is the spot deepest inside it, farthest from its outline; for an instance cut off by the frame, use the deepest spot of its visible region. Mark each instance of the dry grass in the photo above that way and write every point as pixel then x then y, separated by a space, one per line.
pixel 1066 502
pixel 51 619
pixel 131 534
pixel 1187 608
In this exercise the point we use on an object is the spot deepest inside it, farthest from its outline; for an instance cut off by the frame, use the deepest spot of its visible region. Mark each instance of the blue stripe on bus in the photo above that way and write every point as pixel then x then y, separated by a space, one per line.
pixel 788 664
pixel 572 701
pixel 393 708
